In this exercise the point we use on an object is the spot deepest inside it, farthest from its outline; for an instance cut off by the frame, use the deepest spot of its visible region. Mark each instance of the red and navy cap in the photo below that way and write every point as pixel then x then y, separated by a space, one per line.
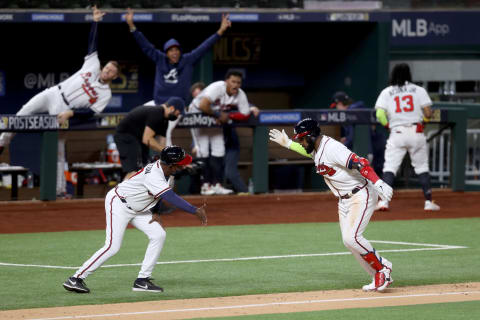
pixel 306 127
pixel 175 155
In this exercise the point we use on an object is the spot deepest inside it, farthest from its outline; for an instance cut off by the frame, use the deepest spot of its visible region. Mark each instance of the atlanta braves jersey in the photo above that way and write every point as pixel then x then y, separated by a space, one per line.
pixel 404 105
pixel 331 161
pixel 84 90
pixel 221 101
pixel 143 190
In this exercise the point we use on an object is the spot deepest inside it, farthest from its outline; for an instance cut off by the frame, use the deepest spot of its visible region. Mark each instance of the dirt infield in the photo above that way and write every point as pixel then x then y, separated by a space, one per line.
pixel 256 304
pixel 89 214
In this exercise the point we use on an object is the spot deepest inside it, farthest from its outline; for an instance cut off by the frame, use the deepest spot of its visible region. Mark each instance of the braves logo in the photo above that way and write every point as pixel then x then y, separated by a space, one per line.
pixel 171 76
pixel 89 90
pixel 325 170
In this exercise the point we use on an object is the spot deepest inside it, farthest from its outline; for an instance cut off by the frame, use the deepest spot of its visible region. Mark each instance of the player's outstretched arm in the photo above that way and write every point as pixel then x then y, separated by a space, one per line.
pixel 282 139
pixel 175 200
pixel 92 39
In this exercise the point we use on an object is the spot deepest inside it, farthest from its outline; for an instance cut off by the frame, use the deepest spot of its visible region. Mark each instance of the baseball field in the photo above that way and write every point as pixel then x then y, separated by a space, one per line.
pixel 261 257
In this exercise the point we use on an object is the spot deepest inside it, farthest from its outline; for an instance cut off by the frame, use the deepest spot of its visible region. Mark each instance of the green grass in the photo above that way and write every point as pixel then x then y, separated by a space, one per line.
pixel 446 311
pixel 26 287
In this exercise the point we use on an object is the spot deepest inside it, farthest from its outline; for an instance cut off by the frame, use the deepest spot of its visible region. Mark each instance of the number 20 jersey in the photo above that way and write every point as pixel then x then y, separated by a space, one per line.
pixel 404 105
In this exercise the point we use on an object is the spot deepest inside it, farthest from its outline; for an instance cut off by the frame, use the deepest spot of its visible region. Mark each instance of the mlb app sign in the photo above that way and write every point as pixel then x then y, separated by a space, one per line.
pixel 418 28
pixel 434 28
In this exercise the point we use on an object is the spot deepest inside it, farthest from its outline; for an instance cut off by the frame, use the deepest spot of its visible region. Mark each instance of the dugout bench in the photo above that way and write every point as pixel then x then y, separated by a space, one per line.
pixel 14 171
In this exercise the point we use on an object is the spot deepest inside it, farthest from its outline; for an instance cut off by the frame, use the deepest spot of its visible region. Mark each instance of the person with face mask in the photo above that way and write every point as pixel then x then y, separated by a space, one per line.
pixel 135 134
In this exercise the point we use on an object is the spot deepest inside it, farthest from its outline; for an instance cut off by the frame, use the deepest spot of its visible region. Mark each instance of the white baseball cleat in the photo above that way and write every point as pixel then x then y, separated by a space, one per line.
pixel 383 279
pixel 219 189
pixel 431 206
pixel 370 286
pixel 382 206
pixel 207 190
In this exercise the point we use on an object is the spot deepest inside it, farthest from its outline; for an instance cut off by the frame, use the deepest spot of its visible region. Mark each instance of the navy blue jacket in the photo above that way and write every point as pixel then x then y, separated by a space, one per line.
pixel 173 79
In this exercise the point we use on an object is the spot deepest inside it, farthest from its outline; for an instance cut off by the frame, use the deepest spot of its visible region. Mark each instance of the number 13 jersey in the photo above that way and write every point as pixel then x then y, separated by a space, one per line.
pixel 404 105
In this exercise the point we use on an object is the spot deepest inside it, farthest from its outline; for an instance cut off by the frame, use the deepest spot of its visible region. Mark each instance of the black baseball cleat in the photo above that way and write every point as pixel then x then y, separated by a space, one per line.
pixel 145 284
pixel 76 285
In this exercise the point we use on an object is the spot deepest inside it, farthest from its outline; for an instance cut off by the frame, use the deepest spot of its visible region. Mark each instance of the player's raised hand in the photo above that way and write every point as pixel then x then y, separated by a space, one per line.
pixel 97 14
pixel 129 17
pixel 225 24
pixel 280 137
pixel 202 214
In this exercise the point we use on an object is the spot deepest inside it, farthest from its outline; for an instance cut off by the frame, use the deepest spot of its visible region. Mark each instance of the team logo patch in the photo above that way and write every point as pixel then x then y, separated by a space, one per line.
pixel 323 169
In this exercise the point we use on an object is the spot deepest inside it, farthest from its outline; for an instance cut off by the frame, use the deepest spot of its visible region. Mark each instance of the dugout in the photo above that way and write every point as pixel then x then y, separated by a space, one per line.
pixel 286 65
pixel 290 59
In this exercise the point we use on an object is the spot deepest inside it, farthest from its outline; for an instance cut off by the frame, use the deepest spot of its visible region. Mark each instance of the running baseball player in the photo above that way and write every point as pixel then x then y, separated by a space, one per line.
pixel 217 100
pixel 84 93
pixel 130 202
pixel 357 186
pixel 402 107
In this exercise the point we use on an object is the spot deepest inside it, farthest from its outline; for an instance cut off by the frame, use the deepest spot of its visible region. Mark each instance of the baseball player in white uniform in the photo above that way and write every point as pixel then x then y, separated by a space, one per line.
pixel 130 202
pixel 82 94
pixel 355 183
pixel 216 100
pixel 402 107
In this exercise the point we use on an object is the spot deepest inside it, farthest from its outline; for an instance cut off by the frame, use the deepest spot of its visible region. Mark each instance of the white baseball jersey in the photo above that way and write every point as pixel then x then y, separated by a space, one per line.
pixel 331 161
pixel 404 105
pixel 143 190
pixel 84 90
pixel 221 101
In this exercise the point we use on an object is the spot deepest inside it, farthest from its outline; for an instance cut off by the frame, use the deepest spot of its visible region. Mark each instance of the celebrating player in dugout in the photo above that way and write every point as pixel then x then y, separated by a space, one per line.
pixel 84 93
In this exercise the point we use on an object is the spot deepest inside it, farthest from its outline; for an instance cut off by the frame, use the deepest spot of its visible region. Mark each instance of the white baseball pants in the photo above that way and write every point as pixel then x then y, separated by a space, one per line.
pixel 49 100
pixel 209 139
pixel 401 140
pixel 117 218
pixel 354 215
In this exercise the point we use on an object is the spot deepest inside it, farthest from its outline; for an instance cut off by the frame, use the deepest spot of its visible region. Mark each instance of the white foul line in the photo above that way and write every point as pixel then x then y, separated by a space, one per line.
pixel 261 305
pixel 430 247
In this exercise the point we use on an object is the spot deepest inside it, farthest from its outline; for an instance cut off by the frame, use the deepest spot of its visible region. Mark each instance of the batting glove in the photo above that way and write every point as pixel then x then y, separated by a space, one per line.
pixel 280 137
pixel 384 190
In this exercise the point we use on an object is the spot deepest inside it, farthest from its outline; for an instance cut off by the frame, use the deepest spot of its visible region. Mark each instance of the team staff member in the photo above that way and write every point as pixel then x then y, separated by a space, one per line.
pixel 173 70
pixel 130 202
pixel 215 100
pixel 402 107
pixel 136 133
pixel 84 93
pixel 357 187
pixel 232 153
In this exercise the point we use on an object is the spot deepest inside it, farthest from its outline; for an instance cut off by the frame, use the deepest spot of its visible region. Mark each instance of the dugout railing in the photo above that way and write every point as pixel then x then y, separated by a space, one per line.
pixel 448 116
